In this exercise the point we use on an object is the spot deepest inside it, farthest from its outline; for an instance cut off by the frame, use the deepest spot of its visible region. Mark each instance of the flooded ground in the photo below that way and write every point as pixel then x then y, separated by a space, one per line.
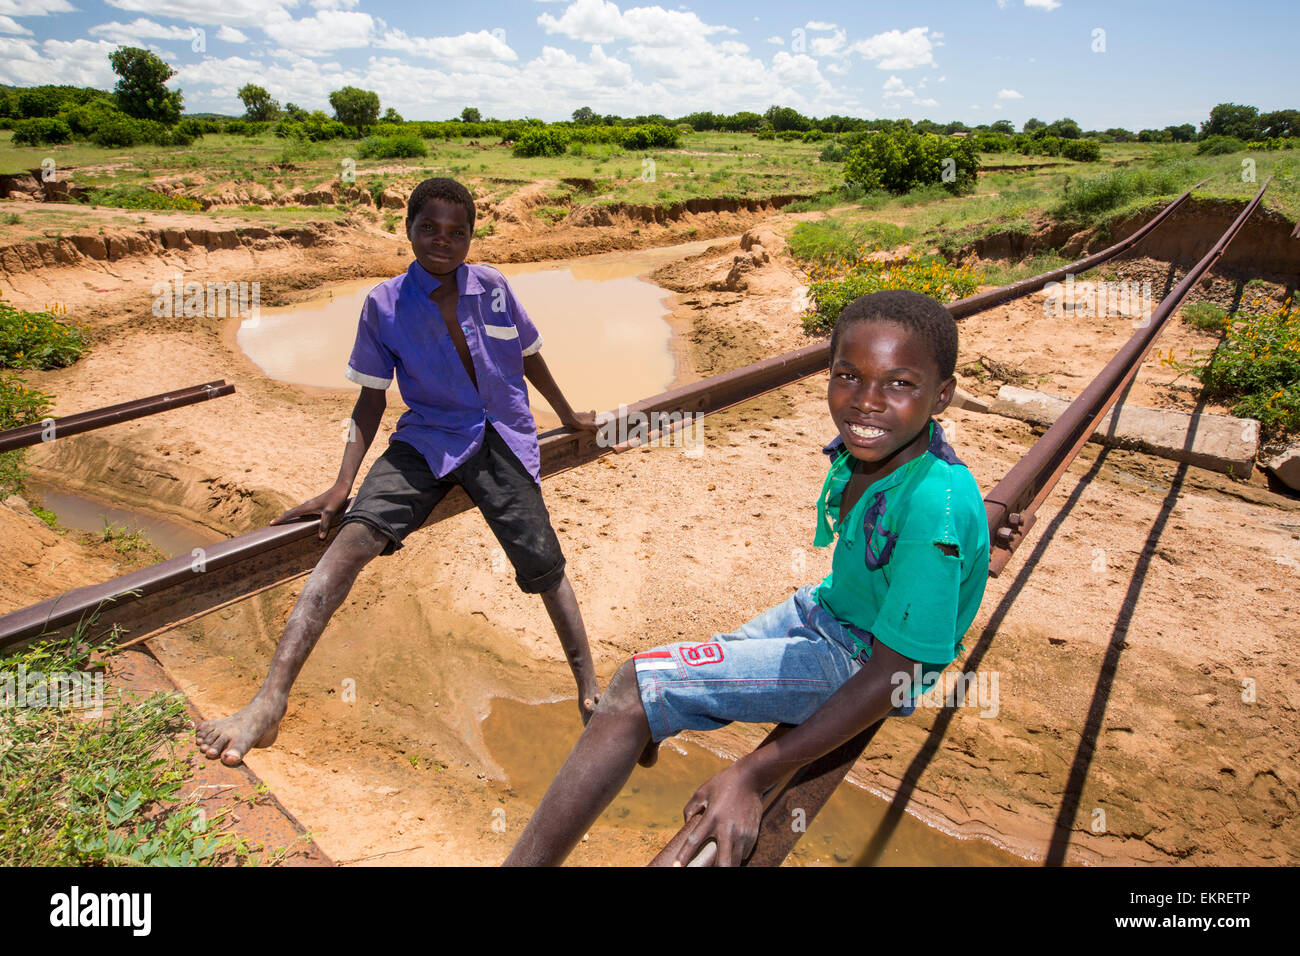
pixel 170 537
pixel 606 337
pixel 530 742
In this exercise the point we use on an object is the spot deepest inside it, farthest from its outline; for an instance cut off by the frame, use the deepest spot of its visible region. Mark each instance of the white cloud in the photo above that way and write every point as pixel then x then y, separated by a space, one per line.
pixel 927 102
pixel 76 62
pixel 130 34
pixel 777 40
pixel 897 50
pixel 475 46
pixel 1009 95
pixel 252 13
pixel 327 30
pixel 334 4
pixel 10 25
pixel 1043 4
pixel 231 35
pixel 34 8
pixel 829 46
pixel 598 21
pixel 819 25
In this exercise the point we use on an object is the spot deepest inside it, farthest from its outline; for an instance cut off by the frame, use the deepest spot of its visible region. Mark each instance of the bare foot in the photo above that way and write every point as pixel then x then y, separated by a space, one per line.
pixel 229 738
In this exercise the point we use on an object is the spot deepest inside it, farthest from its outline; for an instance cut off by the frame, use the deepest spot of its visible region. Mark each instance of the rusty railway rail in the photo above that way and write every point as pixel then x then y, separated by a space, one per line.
pixel 53 428
pixel 1011 507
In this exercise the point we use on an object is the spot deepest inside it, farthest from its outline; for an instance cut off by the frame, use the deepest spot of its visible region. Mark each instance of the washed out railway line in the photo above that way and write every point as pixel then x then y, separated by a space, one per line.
pixel 147 602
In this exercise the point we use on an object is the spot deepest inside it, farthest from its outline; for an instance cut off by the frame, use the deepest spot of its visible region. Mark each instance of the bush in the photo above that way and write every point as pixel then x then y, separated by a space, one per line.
pixel 20 405
pixel 37 339
pixel 903 160
pixel 542 141
pixel 831 291
pixel 392 147
pixel 1219 146
pixel 1087 197
pixel 1081 150
pixel 119 131
pixel 137 197
pixel 84 120
pixel 1257 366
pixel 41 132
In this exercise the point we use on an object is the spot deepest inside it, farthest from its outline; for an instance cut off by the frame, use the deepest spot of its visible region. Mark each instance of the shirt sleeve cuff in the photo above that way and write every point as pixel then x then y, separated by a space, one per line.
pixel 535 347
pixel 369 381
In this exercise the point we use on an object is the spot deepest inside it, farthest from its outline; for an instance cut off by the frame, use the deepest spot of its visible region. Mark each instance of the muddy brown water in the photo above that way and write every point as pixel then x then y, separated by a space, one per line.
pixel 531 741
pixel 79 513
pixel 606 337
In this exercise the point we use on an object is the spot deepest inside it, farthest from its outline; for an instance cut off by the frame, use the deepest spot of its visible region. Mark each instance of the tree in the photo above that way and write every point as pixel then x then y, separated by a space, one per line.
pixel 392 116
pixel 1280 123
pixel 785 117
pixel 1229 119
pixel 1181 134
pixel 140 91
pixel 584 115
pixel 294 112
pixel 1065 128
pixel 1033 124
pixel 258 105
pixel 471 114
pixel 355 108
pixel 1003 126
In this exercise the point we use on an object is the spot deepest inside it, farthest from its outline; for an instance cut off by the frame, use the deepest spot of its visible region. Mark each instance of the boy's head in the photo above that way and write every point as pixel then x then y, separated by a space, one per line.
pixel 440 224
pixel 892 360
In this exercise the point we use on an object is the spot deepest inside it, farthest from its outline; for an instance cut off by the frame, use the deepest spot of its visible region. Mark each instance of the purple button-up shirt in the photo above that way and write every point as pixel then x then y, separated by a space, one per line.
pixel 402 329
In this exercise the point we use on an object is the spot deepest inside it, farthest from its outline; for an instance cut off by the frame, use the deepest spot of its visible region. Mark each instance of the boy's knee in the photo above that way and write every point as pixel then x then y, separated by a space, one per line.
pixel 623 696
pixel 356 544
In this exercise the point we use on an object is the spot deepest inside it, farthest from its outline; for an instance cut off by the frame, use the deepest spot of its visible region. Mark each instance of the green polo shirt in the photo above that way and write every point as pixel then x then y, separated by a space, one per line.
pixel 912 596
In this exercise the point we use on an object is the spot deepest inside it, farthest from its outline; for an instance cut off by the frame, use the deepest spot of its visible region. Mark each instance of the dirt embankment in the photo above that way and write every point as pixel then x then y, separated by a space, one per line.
pixel 1263 249
pixel 1165 592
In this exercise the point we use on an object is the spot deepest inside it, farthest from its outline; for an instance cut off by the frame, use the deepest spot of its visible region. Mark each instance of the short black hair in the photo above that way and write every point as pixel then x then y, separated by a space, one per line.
pixel 440 188
pixel 919 314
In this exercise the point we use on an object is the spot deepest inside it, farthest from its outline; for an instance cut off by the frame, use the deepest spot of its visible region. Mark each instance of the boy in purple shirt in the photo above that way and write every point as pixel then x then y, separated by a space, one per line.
pixel 460 345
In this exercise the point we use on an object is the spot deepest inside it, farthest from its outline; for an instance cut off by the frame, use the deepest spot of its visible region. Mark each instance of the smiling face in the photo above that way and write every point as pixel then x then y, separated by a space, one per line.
pixel 884 387
pixel 440 236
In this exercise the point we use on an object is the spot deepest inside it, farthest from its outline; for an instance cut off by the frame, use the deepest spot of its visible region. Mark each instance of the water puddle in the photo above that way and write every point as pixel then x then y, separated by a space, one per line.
pixel 604 326
pixel 531 741
pixel 169 536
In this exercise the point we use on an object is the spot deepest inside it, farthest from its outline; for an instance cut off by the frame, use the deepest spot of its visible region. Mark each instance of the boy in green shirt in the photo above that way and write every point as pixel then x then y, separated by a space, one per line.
pixel 907 577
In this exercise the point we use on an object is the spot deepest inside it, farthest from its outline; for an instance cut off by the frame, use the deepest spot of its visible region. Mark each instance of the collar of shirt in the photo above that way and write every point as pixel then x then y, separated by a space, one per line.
pixel 837 479
pixel 466 281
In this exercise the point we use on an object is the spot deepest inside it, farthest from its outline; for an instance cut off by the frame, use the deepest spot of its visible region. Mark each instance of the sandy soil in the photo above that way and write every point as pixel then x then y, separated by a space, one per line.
pixel 1142 658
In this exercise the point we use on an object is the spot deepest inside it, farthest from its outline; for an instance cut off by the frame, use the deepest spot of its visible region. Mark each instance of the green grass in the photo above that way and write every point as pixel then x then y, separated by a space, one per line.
pixel 100 784
pixel 19 405
pixel 1256 367
pixel 131 543
pixel 844 238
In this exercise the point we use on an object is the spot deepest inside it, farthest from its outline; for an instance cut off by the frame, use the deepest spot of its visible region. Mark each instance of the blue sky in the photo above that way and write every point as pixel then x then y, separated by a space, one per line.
pixel 1132 64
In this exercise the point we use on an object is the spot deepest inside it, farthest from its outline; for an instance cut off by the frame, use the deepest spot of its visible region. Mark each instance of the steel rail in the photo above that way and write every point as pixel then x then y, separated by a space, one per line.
pixel 51 429
pixel 143 602
pixel 1013 502
pixel 1010 507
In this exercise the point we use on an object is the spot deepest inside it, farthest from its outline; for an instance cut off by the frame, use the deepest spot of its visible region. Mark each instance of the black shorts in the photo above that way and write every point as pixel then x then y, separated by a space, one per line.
pixel 400 492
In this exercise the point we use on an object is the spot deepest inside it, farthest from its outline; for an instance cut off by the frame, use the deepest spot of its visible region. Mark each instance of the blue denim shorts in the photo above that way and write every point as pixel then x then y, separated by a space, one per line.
pixel 778 668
